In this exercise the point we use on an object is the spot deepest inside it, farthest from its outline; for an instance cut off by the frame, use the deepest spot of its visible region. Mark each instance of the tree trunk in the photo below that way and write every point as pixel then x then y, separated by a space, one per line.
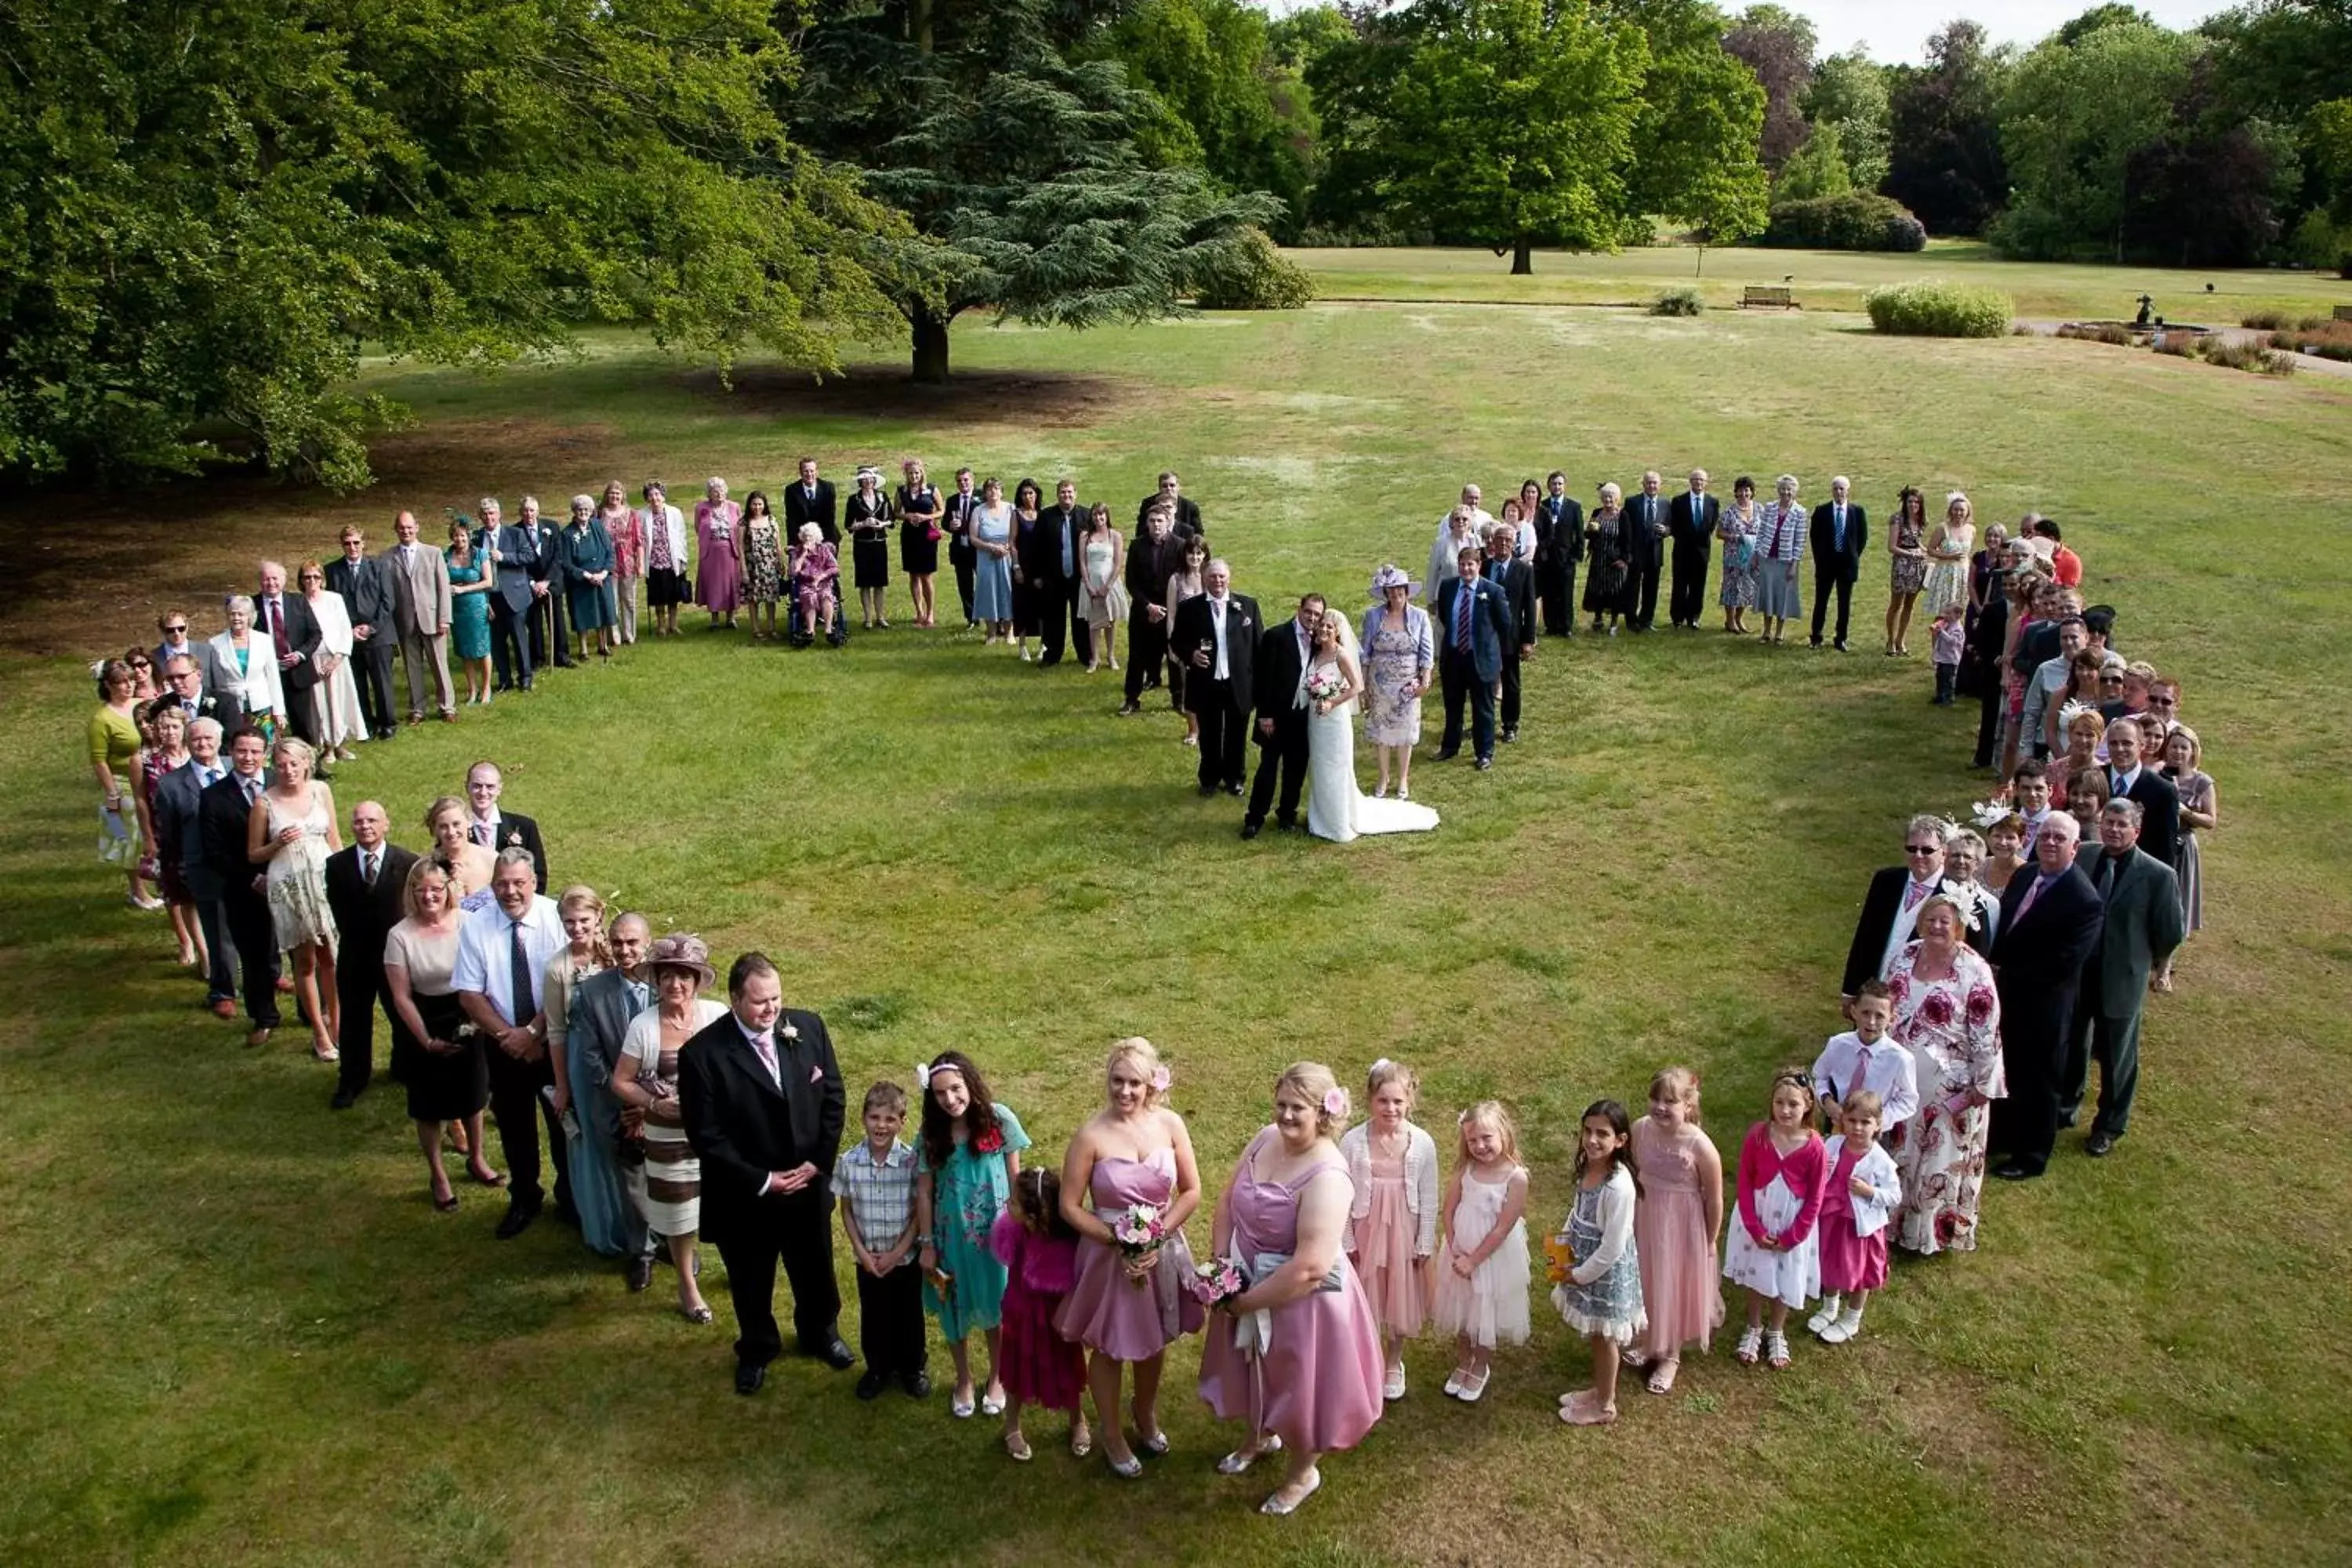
pixel 931 347
pixel 1523 257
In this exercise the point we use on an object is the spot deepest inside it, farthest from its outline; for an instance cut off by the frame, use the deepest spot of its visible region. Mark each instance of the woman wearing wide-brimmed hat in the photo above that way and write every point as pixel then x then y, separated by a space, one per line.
pixel 867 516
pixel 669 1182
pixel 1400 653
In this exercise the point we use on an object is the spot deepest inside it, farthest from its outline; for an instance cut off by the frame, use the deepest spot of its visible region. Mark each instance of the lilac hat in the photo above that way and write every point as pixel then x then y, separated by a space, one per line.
pixel 683 950
pixel 1391 576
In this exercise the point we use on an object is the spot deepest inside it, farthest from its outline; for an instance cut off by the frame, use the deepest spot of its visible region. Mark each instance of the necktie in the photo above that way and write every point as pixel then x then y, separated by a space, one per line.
pixel 252 791
pixel 482 834
pixel 1861 1069
pixel 1838 535
pixel 188 706
pixel 1462 598
pixel 2032 893
pixel 278 627
pixel 521 995
pixel 766 1047
pixel 640 994
pixel 1913 894
pixel 368 866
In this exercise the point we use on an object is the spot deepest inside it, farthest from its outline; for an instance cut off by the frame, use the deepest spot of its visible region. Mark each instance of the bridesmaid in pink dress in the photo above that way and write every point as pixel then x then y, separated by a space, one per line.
pixel 1675 1224
pixel 1297 1354
pixel 1134 1151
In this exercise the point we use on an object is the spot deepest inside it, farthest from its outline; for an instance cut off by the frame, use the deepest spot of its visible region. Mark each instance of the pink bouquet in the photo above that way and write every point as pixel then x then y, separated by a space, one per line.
pixel 1138 1229
pixel 1217 1282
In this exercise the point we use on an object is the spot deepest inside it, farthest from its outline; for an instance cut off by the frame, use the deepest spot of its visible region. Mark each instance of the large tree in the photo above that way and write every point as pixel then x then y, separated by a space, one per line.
pixel 1849 94
pixel 1022 169
pixel 1777 44
pixel 1944 162
pixel 2072 120
pixel 208 208
pixel 1701 111
pixel 1234 110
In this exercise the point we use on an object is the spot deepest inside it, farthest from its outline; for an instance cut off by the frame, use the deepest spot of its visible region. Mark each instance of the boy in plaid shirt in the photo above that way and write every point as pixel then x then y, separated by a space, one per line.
pixel 875 1180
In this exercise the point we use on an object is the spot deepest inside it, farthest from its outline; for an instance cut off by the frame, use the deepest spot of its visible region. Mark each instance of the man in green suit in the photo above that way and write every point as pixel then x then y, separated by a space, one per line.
pixel 2143 927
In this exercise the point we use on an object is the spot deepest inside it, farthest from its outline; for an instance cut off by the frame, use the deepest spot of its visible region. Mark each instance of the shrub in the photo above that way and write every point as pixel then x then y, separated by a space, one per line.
pixel 2323 336
pixel 2098 332
pixel 1931 307
pixel 1682 301
pixel 2281 322
pixel 2179 345
pixel 1251 275
pixel 2249 357
pixel 1858 220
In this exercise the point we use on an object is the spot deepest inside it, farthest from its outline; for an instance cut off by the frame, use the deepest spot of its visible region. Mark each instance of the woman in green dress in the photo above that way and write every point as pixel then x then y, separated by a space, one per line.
pixel 469 611
pixel 970 1155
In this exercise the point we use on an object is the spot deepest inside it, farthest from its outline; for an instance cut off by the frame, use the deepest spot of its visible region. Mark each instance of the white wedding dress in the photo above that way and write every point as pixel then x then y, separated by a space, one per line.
pixel 1336 808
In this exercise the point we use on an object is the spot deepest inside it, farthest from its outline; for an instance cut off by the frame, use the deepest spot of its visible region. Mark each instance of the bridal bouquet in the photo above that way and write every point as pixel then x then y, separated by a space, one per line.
pixel 1215 1282
pixel 1138 1229
pixel 1324 685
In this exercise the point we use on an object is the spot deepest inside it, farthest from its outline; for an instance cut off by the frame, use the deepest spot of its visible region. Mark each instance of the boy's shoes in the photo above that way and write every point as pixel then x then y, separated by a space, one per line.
pixel 871 1385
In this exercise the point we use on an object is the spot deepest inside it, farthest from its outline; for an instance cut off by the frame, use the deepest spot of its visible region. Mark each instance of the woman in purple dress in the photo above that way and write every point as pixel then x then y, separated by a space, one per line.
pixel 1125 1311
pixel 1297 1354
pixel 718 574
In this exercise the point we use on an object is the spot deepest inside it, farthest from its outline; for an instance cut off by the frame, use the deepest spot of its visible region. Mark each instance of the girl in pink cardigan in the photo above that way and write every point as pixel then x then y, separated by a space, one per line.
pixel 1772 1248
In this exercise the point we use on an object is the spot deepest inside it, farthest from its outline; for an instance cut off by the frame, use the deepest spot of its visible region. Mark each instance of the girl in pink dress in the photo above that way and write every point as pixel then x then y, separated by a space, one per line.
pixel 1675 1225
pixel 1297 1354
pixel 1774 1250
pixel 1036 1364
pixel 1135 1151
pixel 1482 1271
pixel 1863 1188
pixel 1392 1230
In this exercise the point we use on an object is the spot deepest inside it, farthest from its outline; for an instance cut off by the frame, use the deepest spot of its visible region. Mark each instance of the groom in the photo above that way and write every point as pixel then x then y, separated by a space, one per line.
pixel 1283 656
pixel 1215 639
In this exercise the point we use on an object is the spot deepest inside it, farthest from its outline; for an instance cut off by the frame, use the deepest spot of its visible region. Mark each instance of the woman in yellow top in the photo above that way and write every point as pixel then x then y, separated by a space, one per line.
pixel 114 743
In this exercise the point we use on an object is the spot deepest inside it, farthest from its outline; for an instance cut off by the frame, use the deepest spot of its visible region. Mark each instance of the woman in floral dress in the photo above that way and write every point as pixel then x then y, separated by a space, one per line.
pixel 763 564
pixel 1948 1015
pixel 1399 652
pixel 1906 573
pixel 1737 528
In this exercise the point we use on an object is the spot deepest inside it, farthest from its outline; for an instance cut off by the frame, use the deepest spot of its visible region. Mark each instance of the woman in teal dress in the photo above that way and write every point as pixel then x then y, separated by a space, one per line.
pixel 585 553
pixel 469 611
pixel 971 1154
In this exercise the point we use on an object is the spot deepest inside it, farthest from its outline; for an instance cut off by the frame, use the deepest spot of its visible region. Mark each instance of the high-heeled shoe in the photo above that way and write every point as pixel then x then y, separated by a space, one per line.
pixel 1276 1505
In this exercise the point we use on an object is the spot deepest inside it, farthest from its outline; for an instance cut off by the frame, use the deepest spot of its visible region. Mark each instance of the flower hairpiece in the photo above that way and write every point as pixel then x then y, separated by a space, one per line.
pixel 2075 708
pixel 1335 1101
pixel 1382 1066
pixel 923 1074
pixel 1964 908
pixel 1988 812
pixel 1160 1078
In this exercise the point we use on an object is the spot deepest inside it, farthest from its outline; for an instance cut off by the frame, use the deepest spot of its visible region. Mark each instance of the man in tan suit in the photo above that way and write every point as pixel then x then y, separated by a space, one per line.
pixel 420 589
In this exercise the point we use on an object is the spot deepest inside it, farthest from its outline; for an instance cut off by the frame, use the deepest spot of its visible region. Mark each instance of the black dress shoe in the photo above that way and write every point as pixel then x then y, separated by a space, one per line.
pixel 2099 1145
pixel 518 1220
pixel 917 1385
pixel 1250 827
pixel 871 1385
pixel 1448 755
pixel 1235 789
pixel 1287 823
pixel 833 1352
pixel 344 1100
pixel 1207 790
pixel 1484 763
pixel 749 1375
pixel 1129 710
pixel 1512 733
pixel 638 1272
pixel 2013 1172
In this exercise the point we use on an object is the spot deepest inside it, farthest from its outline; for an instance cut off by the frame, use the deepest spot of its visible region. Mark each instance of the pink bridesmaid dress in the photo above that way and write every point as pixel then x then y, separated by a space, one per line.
pixel 1318 1385
pixel 1106 1312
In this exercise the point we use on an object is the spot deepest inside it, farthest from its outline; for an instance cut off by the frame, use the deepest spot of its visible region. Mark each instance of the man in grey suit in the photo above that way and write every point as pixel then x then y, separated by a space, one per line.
pixel 2143 927
pixel 420 596
pixel 596 1021
pixel 177 796
pixel 514 549
pixel 366 588
pixel 178 644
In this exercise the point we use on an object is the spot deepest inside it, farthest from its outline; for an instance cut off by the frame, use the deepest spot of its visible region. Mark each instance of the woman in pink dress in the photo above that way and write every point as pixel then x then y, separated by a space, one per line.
pixel 628 535
pixel 1948 1015
pixel 718 571
pixel 1134 1151
pixel 1297 1354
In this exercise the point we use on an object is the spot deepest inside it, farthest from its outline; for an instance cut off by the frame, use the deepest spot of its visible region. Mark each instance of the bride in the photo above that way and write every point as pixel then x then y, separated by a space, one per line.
pixel 1336 808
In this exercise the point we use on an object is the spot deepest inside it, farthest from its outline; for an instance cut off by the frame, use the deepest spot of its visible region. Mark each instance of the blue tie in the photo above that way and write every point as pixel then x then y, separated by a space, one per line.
pixel 1462 598
pixel 1837 532
pixel 518 980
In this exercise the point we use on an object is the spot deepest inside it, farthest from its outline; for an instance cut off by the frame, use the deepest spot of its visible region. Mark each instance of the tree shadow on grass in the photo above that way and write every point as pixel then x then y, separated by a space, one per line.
pixel 1051 399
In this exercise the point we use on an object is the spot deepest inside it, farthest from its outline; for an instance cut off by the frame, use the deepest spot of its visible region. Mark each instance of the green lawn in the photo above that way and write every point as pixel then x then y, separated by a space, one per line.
pixel 241 1334
pixel 1823 279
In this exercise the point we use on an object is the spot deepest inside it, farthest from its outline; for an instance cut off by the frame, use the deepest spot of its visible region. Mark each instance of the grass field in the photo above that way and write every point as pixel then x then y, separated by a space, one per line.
pixel 1823 280
pixel 241 1334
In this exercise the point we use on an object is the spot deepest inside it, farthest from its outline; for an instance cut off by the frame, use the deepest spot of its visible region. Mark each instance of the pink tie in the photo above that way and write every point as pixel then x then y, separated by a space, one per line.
pixel 767 1049
pixel 1911 897
pixel 2032 893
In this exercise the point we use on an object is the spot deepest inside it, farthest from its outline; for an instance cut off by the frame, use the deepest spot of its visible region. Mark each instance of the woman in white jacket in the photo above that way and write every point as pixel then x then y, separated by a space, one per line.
pixel 1391 1231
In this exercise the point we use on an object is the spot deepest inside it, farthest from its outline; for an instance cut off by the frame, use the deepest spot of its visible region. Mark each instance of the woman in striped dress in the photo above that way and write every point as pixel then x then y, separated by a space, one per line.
pixel 646 1078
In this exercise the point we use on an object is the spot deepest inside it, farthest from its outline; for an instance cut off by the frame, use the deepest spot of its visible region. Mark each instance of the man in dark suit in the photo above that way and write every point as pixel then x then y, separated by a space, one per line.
pixel 1049 560
pixel 496 830
pixel 1215 639
pixel 1183 512
pixel 762 1101
pixel 594 1027
pixel 1280 694
pixel 1646 533
pixel 365 883
pixel 2130 777
pixel 184 679
pixel 2050 922
pixel 1690 524
pixel 515 549
pixel 955 521
pixel 1517 579
pixel 285 619
pixel 223 812
pixel 551 639
pixel 178 811
pixel 367 594
pixel 1156 557
pixel 1559 545
pixel 1474 622
pixel 2143 926
pixel 1981 662
pixel 811 499
pixel 1841 533
pixel 1891 907
pixel 177 643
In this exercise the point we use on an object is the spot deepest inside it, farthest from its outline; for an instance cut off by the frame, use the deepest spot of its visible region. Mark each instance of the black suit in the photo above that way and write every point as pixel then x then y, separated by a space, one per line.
pixel 364 916
pixel 302 637
pixel 177 807
pixel 366 589
pixel 799 508
pixel 2037 965
pixel 511 640
pixel 1559 545
pixel 1222 706
pixel 514 832
pixel 955 521
pixel 1187 524
pixel 746 1125
pixel 1054 591
pixel 1880 908
pixel 1690 522
pixel 1457 664
pixel 2159 808
pixel 1835 566
pixel 225 710
pixel 1281 664
pixel 550 638
pixel 1517 579
pixel 1983 658
pixel 1646 526
pixel 223 816
pixel 1149 568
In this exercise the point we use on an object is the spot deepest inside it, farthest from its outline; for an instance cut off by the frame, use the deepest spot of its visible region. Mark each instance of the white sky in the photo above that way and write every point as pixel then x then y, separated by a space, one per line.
pixel 1895 31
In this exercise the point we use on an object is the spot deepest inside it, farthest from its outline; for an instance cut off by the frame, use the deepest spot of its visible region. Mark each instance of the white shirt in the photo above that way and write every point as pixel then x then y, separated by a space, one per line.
pixel 484 830
pixel 485 957
pixel 1882 1067
pixel 2124 781
pixel 1217 609
pixel 1905 926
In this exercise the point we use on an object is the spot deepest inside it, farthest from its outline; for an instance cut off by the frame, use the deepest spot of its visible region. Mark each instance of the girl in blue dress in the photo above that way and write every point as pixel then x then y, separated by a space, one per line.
pixel 970 1156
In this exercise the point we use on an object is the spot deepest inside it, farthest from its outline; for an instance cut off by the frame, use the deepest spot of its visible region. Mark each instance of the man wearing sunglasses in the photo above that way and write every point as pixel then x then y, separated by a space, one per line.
pixel 178 643
pixel 1891 908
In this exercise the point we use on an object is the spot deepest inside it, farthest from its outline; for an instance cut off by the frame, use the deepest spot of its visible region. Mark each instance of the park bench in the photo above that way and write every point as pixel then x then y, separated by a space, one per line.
pixel 1761 296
